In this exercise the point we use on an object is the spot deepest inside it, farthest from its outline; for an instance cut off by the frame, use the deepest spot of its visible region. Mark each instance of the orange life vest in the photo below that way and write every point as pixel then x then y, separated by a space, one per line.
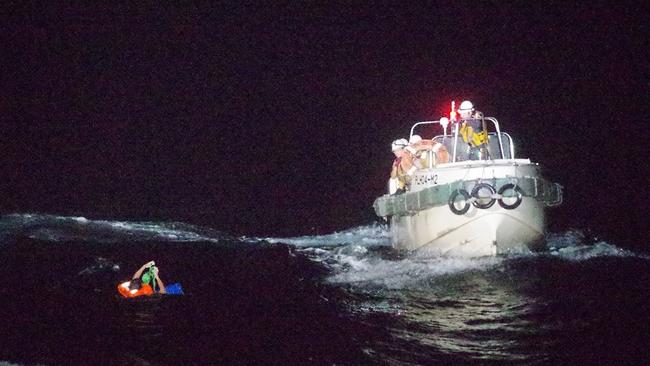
pixel 124 290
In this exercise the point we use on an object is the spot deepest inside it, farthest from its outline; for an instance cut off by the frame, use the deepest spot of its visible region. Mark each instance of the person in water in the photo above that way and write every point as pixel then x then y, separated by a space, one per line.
pixel 143 284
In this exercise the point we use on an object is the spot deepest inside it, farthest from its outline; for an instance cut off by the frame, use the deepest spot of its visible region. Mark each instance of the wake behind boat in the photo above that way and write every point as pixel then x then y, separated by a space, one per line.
pixel 464 193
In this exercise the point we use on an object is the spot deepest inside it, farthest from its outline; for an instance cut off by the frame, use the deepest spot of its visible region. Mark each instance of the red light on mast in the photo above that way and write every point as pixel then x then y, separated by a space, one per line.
pixel 452 114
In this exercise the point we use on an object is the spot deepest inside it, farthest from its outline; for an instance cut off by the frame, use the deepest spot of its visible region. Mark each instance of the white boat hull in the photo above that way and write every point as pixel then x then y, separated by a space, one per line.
pixel 478 232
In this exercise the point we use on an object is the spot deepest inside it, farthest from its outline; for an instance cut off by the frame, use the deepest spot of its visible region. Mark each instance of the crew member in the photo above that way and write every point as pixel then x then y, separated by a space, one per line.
pixel 402 167
pixel 423 150
pixel 472 131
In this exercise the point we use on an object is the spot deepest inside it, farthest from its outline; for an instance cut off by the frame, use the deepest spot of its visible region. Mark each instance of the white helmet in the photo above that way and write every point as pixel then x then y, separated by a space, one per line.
pixel 398 144
pixel 415 139
pixel 466 109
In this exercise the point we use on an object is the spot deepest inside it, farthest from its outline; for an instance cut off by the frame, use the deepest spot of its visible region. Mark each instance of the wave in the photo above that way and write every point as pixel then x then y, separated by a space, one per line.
pixel 53 228
pixel 412 271
pixel 575 245
pixel 6 363
pixel 366 236
pixel 352 249
pixel 362 265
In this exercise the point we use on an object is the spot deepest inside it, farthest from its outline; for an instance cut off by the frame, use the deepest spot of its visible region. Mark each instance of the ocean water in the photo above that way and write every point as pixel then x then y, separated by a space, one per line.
pixel 346 298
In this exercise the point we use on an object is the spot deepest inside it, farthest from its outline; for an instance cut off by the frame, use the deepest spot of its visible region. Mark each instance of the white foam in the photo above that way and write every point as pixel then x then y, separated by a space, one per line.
pixel 369 235
pixel 7 363
pixel 585 252
pixel 357 264
pixel 574 245
pixel 403 273
pixel 361 265
pixel 157 231
pixel 563 239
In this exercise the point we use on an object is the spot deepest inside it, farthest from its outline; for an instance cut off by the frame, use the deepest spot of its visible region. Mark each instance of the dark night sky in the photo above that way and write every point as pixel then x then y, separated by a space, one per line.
pixel 277 120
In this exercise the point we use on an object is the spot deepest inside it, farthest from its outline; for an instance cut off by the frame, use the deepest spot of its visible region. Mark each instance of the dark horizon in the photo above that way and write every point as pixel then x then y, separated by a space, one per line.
pixel 278 120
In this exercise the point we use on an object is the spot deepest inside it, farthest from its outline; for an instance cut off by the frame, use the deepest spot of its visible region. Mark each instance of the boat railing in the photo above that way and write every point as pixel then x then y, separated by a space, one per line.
pixel 453 141
pixel 431 159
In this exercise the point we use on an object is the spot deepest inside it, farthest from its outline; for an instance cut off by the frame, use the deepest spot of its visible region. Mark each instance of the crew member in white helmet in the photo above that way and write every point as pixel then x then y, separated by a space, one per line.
pixel 402 167
pixel 422 149
pixel 472 131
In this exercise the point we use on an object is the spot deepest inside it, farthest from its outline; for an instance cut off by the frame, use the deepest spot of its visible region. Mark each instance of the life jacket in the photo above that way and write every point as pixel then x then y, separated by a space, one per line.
pixel 472 133
pixel 125 291
pixel 401 171
pixel 424 147
pixel 403 167
pixel 396 176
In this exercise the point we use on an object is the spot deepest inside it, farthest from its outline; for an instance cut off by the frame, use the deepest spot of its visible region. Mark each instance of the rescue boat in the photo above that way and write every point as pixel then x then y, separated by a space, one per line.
pixel 478 200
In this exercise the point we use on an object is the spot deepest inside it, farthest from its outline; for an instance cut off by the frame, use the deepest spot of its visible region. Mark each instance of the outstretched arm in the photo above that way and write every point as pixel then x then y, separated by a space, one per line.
pixel 161 285
pixel 138 273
